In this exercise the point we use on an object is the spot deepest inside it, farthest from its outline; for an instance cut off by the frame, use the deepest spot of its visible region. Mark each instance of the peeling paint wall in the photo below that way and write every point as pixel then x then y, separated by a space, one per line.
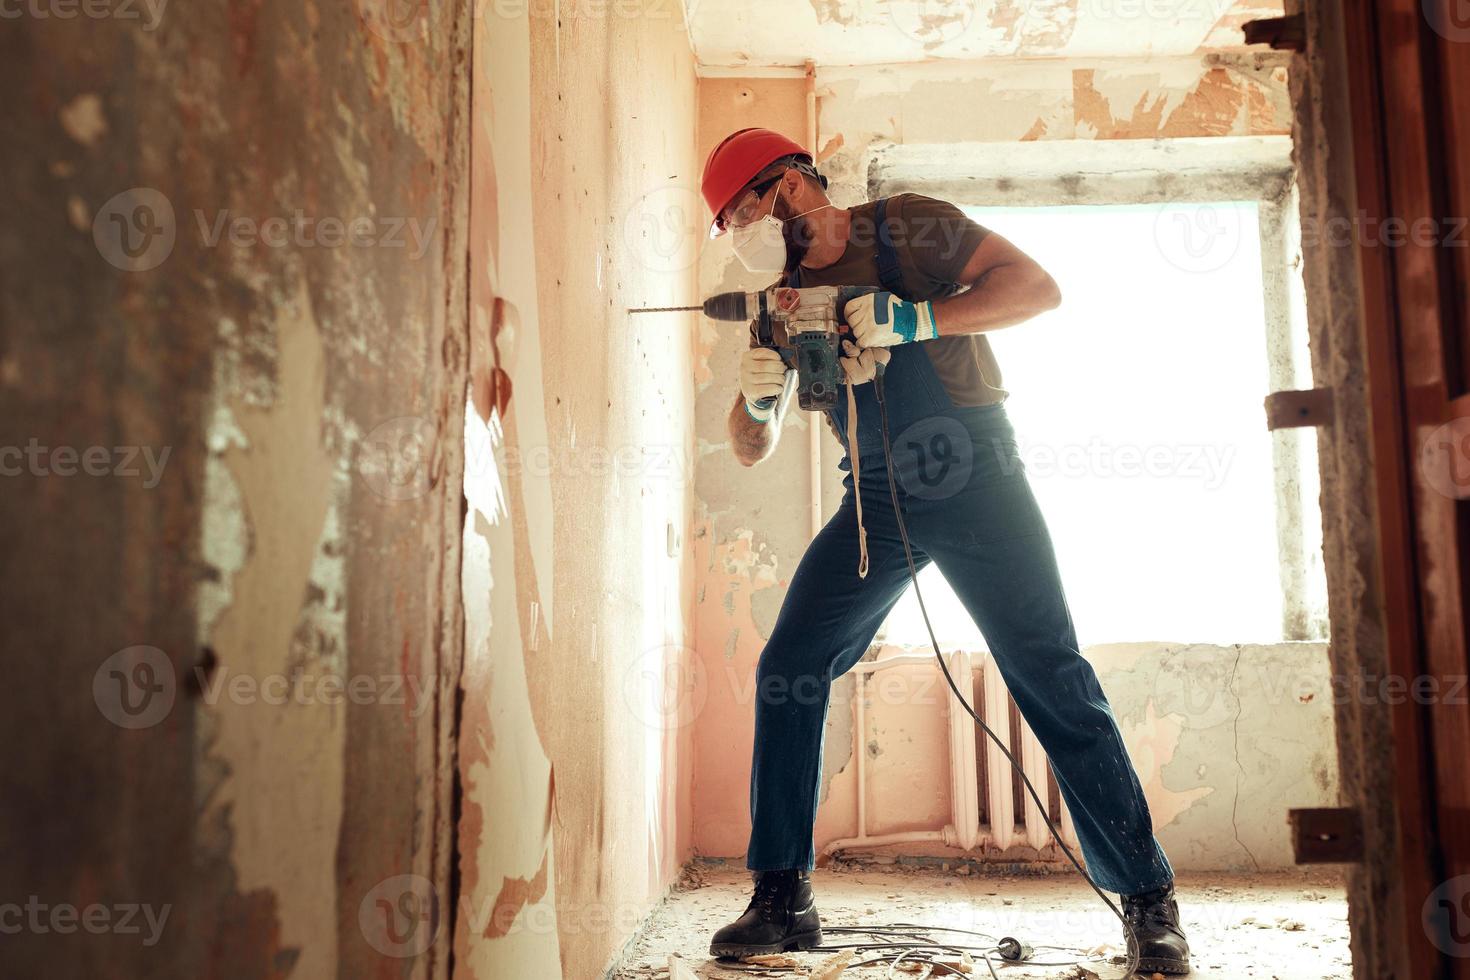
pixel 1224 738
pixel 937 104
pixel 579 683
pixel 236 239
pixel 343 672
pixel 763 33
pixel 752 526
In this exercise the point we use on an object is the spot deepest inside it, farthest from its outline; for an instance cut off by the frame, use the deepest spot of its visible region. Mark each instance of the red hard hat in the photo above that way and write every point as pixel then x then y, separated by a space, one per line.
pixel 737 160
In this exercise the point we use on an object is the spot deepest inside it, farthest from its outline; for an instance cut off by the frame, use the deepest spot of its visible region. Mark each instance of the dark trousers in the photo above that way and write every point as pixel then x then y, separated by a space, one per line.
pixel 977 519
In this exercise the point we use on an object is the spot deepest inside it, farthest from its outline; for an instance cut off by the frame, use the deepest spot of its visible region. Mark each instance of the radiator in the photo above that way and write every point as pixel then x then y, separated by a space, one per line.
pixel 1008 820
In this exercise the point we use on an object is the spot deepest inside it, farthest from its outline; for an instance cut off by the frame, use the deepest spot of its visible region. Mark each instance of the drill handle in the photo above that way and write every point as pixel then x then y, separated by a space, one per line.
pixel 845 295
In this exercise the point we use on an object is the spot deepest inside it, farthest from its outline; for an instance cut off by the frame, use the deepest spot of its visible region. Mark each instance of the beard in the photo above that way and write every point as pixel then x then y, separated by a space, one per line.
pixel 797 234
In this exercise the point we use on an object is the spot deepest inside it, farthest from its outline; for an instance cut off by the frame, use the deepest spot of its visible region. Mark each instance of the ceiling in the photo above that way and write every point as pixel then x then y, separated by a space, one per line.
pixel 775 33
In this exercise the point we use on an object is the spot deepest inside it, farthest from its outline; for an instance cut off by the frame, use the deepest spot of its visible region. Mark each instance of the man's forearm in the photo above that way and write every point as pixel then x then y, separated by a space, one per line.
pixel 752 441
pixel 1002 298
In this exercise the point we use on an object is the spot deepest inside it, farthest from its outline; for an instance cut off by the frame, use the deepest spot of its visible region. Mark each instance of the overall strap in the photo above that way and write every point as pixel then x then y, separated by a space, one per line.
pixel 889 273
pixel 891 277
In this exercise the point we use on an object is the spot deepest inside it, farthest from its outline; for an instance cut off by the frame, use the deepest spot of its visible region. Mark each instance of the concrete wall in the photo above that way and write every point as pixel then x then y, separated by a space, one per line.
pixel 1323 136
pixel 751 526
pixel 937 104
pixel 237 637
pixel 576 573
pixel 1225 739
pixel 178 639
pixel 764 33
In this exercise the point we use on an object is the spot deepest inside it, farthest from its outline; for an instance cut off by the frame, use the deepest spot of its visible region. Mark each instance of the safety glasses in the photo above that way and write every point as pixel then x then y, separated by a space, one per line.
pixel 747 207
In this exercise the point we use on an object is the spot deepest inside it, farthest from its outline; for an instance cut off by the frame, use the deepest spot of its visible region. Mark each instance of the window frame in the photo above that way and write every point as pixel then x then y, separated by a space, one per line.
pixel 1130 172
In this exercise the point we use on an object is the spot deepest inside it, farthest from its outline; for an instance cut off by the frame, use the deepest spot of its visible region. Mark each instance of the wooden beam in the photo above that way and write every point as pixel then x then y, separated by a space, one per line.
pixel 1326 835
pixel 1294 409
pixel 1281 33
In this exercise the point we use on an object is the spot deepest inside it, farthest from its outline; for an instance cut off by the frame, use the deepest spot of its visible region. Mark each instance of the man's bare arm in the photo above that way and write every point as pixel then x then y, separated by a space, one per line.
pixel 751 440
pixel 755 421
pixel 1007 286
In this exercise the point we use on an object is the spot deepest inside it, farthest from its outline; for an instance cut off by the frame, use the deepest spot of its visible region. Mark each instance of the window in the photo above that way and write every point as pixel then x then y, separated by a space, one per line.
pixel 1138 407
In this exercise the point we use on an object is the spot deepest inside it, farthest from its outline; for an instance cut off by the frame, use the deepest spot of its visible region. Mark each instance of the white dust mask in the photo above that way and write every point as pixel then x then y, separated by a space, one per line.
pixel 761 245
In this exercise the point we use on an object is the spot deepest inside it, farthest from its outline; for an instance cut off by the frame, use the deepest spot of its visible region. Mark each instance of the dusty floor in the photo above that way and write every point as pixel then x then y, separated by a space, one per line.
pixel 1289 926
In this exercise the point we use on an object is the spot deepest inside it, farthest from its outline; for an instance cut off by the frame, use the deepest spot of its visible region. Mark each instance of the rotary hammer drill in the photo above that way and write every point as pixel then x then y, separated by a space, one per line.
pixel 813 320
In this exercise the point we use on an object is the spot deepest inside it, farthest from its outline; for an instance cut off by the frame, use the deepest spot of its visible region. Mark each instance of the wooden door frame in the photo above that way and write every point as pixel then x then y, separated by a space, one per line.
pixel 1415 384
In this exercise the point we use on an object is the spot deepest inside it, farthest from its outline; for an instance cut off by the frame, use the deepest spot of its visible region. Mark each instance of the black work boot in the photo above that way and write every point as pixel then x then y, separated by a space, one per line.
pixel 1154 917
pixel 782 915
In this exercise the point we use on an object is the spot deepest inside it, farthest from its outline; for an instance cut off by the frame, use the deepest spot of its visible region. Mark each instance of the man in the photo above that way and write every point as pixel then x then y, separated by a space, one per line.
pixel 945 282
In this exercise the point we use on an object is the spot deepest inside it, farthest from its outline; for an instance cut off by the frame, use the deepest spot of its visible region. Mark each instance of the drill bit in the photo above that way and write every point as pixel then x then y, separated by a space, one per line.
pixel 665 309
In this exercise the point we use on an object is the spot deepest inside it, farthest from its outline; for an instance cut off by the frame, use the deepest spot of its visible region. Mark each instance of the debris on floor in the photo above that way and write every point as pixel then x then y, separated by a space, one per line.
pixel 692 877
pixel 771 959
pixel 1241 926
pixel 962 963
pixel 832 967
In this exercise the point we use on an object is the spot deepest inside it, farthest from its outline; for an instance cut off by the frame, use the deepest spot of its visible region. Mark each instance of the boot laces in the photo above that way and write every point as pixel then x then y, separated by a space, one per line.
pixel 1148 910
pixel 769 892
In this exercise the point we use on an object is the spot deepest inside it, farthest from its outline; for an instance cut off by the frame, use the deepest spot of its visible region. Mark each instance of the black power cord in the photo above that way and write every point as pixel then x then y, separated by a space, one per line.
pixel 954 688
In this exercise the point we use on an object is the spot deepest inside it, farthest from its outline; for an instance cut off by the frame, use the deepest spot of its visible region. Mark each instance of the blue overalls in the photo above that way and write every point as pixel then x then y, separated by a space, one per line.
pixel 968 508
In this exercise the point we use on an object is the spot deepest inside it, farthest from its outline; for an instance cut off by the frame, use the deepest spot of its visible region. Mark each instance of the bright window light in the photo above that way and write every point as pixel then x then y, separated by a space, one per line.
pixel 1138 405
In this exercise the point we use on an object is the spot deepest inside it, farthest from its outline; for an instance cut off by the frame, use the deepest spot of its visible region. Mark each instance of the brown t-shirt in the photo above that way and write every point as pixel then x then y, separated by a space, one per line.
pixel 933 240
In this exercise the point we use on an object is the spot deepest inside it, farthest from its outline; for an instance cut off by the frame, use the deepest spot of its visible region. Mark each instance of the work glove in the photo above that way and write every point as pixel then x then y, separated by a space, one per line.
pixel 762 377
pixel 861 365
pixel 883 320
